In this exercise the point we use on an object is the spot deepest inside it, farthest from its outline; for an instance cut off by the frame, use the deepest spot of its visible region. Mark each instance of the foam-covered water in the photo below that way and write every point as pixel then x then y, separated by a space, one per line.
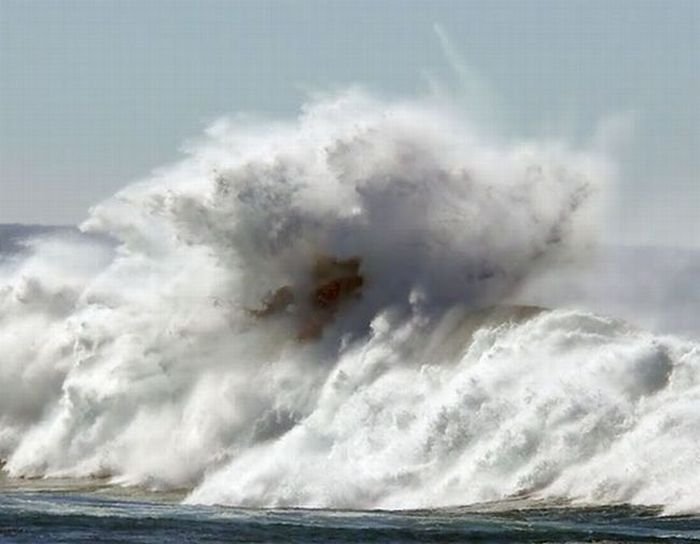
pixel 57 516
pixel 137 360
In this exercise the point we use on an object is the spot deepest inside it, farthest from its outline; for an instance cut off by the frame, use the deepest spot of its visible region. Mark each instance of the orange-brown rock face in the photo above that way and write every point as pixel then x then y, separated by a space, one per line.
pixel 334 282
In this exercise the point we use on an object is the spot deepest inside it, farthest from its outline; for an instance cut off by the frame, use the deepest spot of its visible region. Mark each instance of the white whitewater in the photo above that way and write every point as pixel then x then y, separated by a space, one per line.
pixel 139 360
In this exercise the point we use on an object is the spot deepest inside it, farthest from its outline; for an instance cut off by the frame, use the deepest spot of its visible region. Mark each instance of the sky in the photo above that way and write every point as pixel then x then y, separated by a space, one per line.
pixel 95 94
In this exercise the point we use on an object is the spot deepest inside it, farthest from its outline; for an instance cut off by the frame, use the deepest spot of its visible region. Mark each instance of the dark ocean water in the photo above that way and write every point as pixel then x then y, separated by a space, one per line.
pixel 69 516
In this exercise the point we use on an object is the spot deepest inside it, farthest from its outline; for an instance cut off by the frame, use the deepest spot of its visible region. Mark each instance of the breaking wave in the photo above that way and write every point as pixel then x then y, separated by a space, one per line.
pixel 139 358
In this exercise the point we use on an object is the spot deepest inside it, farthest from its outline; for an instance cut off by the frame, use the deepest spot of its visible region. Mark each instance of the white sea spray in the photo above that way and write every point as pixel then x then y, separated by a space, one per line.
pixel 140 361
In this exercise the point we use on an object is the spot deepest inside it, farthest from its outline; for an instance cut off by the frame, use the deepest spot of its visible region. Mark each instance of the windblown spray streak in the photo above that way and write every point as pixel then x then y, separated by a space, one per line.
pixel 142 363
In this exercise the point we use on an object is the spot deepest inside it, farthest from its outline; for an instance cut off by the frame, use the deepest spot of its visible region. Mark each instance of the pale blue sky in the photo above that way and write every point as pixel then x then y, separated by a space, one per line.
pixel 94 94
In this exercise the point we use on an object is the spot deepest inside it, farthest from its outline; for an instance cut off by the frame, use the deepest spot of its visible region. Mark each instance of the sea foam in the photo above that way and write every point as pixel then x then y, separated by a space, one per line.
pixel 139 358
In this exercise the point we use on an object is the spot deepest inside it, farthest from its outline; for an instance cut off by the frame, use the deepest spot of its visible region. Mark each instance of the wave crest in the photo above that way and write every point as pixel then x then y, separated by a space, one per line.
pixel 140 360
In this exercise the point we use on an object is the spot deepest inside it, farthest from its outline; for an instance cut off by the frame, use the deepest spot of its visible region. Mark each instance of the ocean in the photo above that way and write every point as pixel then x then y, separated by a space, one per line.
pixel 370 323
pixel 80 516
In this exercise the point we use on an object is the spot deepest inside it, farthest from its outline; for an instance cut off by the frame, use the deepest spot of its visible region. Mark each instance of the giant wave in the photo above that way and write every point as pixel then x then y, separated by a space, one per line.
pixel 137 359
